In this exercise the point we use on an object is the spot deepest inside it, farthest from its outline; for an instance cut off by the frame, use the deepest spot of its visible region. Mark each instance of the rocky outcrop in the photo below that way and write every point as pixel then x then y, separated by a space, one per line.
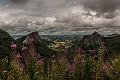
pixel 91 40
pixel 27 54
pixel 40 44
pixel 28 50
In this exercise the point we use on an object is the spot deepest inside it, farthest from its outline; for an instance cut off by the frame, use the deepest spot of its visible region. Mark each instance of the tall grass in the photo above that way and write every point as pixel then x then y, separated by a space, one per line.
pixel 82 67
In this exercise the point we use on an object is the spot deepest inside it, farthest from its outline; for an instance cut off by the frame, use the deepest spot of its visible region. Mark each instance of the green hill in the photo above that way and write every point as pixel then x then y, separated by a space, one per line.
pixel 5 40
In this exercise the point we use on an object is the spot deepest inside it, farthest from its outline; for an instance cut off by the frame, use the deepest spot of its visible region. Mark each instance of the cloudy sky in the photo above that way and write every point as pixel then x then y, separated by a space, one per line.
pixel 59 16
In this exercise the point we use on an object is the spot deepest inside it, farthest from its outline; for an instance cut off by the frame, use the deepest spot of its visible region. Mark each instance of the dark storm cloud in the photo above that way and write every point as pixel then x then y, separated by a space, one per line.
pixel 102 6
pixel 106 8
pixel 19 1
pixel 40 8
pixel 72 15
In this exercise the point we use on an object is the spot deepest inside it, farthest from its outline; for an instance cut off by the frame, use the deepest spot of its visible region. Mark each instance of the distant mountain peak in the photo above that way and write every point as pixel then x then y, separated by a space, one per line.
pixel 96 33
pixel 34 33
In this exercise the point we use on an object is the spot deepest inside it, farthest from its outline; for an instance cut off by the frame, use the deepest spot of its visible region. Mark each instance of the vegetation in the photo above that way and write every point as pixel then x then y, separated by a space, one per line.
pixel 5 40
pixel 59 59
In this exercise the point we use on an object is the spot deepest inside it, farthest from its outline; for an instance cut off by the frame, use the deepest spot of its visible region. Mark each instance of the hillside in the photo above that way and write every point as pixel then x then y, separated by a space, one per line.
pixel 5 40
pixel 68 58
pixel 112 44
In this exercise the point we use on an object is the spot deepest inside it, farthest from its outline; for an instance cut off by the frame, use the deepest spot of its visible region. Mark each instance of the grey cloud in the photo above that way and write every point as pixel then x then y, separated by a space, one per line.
pixel 102 6
pixel 72 15
pixel 69 23
pixel 106 8
pixel 41 8
pixel 18 1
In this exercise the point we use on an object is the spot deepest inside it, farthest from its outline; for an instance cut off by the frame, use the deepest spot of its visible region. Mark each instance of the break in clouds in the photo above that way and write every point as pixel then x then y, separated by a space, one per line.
pixel 59 16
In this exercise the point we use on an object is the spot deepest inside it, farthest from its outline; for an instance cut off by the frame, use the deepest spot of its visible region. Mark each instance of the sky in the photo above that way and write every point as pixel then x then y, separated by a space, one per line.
pixel 60 16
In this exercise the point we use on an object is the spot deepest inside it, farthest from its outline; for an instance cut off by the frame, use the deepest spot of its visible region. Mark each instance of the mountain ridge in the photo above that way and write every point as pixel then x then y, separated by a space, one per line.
pixel 112 43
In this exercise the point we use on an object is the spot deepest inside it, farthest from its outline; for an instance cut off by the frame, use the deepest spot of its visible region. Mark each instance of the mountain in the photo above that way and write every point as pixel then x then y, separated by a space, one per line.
pixel 111 42
pixel 39 43
pixel 5 41
pixel 94 39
